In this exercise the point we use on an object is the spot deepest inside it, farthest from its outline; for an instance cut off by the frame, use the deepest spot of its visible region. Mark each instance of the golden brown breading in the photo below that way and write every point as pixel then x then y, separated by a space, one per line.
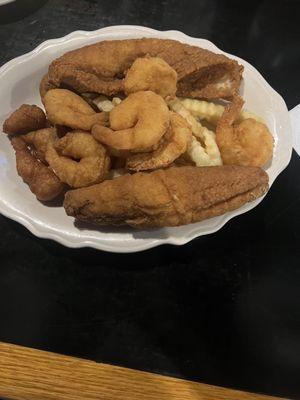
pixel 248 143
pixel 151 73
pixel 25 119
pixel 171 197
pixel 136 124
pixel 173 144
pixel 64 107
pixel 41 180
pixel 101 67
pixel 45 85
pixel 39 140
pixel 78 159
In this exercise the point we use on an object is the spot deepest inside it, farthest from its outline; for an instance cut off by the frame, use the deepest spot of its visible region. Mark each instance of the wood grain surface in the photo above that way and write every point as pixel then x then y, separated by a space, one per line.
pixel 31 374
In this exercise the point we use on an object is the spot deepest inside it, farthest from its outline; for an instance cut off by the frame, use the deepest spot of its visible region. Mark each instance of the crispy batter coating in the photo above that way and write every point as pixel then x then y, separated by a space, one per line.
pixel 174 143
pixel 45 85
pixel 101 67
pixel 66 108
pixel 78 159
pixel 39 140
pixel 248 143
pixel 136 124
pixel 25 119
pixel 41 179
pixel 151 73
pixel 170 197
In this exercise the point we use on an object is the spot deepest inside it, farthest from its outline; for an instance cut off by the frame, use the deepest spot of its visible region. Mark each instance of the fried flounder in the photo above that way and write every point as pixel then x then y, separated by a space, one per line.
pixel 171 197
pixel 101 68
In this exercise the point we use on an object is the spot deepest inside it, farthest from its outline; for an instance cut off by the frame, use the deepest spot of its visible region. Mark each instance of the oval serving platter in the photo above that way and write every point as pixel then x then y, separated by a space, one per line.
pixel 19 81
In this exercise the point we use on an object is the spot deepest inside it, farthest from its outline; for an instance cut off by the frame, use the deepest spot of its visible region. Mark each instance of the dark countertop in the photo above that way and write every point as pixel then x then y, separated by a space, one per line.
pixel 225 308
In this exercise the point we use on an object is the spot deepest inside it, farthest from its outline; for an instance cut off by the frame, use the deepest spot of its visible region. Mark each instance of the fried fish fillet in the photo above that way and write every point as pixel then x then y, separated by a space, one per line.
pixel 41 179
pixel 170 197
pixel 25 119
pixel 101 67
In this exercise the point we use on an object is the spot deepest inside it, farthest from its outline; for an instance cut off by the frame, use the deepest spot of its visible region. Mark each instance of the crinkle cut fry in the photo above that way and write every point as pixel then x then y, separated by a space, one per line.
pixel 212 112
pixel 204 152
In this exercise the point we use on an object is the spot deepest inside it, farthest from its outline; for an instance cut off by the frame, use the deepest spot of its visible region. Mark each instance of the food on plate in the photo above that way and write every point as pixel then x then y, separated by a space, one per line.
pixel 131 129
pixel 104 104
pixel 64 107
pixel 248 143
pixel 78 159
pixel 41 179
pixel 151 73
pixel 39 140
pixel 25 119
pixel 45 85
pixel 170 197
pixel 136 124
pixel 173 144
pixel 101 67
pixel 212 112
pixel 203 149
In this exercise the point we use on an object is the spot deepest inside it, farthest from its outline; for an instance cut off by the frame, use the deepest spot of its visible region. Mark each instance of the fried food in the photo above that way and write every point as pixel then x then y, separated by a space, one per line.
pixel 125 106
pixel 78 159
pixel 101 67
pixel 170 197
pixel 41 180
pixel 39 140
pixel 64 107
pixel 248 143
pixel 203 149
pixel 25 119
pixel 136 124
pixel 45 86
pixel 212 112
pixel 174 143
pixel 151 73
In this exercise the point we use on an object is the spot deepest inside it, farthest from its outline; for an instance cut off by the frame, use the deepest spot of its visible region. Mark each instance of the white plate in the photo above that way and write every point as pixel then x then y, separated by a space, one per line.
pixel 19 81
pixel 2 2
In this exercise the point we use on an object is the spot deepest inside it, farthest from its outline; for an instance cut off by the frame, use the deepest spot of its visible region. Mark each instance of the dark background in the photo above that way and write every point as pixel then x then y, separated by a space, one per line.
pixel 224 309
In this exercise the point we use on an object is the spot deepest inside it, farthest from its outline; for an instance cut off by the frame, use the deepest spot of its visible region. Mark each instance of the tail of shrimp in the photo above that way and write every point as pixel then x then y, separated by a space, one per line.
pixel 225 137
pixel 231 112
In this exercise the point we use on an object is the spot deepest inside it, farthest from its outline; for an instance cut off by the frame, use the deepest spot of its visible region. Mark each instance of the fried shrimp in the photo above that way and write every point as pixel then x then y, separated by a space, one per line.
pixel 136 124
pixel 212 112
pixel 39 140
pixel 248 143
pixel 203 149
pixel 173 144
pixel 41 179
pixel 78 159
pixel 153 74
pixel 25 119
pixel 64 107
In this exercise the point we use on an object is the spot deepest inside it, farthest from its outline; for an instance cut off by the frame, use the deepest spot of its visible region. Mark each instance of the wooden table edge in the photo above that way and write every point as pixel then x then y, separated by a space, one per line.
pixel 30 374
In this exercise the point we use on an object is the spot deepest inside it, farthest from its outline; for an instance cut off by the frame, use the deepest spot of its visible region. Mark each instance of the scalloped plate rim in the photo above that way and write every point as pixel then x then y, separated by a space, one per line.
pixel 63 237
